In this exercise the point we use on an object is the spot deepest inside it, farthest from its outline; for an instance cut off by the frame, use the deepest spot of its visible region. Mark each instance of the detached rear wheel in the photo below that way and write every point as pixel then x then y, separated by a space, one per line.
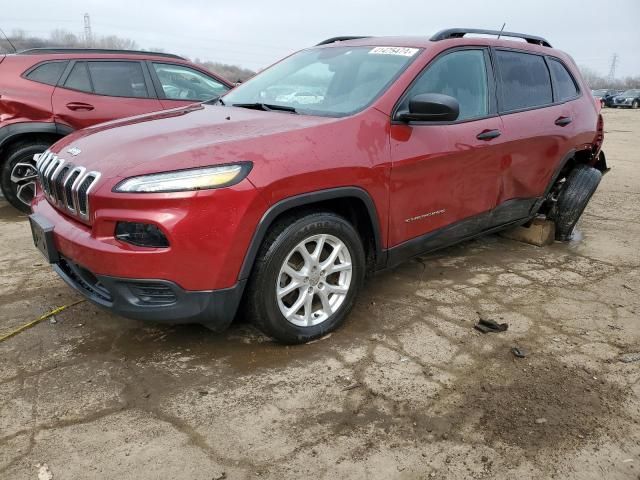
pixel 18 174
pixel 579 187
pixel 307 277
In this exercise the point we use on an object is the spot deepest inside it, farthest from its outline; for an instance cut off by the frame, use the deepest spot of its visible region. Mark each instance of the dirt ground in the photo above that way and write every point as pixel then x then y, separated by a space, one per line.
pixel 407 389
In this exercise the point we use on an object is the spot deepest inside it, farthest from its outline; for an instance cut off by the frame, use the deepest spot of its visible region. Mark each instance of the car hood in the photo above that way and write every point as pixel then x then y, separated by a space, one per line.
pixel 194 136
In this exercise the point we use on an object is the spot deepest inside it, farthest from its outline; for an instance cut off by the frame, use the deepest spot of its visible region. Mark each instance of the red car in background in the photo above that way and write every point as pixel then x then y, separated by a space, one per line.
pixel 46 94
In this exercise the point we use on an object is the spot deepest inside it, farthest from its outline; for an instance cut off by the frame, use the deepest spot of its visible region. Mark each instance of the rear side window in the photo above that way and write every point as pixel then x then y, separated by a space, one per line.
pixel 48 73
pixel 565 85
pixel 461 75
pixel 78 79
pixel 118 79
pixel 524 80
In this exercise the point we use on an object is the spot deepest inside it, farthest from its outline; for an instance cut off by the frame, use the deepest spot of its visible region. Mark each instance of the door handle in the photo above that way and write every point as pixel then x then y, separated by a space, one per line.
pixel 563 121
pixel 488 134
pixel 79 106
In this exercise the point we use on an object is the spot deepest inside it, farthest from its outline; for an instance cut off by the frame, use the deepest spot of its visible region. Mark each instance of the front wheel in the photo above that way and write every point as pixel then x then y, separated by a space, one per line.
pixel 307 277
pixel 634 105
pixel 18 174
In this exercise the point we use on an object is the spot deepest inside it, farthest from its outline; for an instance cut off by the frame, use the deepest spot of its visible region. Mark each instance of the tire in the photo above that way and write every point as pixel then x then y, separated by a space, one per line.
pixel 579 187
pixel 280 251
pixel 634 105
pixel 17 174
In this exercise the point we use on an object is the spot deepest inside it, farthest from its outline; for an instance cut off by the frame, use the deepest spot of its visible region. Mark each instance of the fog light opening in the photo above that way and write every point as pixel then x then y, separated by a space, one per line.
pixel 141 234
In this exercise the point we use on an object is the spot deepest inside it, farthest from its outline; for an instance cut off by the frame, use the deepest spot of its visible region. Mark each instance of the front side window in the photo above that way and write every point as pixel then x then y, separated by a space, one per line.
pixel 565 85
pixel 462 75
pixel 524 80
pixel 183 83
pixel 333 81
pixel 118 79
pixel 48 73
pixel 78 79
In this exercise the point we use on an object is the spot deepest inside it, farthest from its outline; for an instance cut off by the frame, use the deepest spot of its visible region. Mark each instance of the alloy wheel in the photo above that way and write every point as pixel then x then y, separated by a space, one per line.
pixel 314 280
pixel 23 177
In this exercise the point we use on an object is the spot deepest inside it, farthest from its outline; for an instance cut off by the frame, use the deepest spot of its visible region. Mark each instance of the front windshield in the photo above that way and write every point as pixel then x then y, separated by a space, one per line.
pixel 335 81
pixel 630 93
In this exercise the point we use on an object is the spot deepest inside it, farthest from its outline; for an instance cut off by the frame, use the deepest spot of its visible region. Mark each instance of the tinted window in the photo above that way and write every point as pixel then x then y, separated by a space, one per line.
pixel 118 79
pixel 78 79
pixel 565 86
pixel 48 73
pixel 183 83
pixel 525 80
pixel 461 75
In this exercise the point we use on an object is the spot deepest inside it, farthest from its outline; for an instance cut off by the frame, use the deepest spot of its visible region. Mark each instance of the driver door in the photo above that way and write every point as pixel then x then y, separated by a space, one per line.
pixel 445 175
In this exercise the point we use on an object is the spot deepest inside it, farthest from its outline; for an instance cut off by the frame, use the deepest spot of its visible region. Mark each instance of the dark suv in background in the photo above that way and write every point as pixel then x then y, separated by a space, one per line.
pixel 46 94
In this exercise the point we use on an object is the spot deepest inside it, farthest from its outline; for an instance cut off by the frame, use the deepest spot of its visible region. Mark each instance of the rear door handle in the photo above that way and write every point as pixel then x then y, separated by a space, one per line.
pixel 488 134
pixel 563 121
pixel 80 106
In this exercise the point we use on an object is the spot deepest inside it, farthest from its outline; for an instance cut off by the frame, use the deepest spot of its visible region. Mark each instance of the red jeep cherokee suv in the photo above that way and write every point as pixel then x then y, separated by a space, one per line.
pixel 340 160
pixel 48 93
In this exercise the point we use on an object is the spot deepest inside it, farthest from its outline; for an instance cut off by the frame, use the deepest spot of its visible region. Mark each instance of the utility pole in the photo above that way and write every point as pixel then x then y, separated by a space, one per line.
pixel 88 39
pixel 612 69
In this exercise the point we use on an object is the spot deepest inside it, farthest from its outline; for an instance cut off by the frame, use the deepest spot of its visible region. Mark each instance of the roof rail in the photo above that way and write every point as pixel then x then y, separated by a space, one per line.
pixel 461 32
pixel 339 39
pixel 38 51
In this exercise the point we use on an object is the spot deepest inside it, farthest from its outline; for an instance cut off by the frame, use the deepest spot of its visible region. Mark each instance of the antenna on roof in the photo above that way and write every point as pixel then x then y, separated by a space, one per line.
pixel 502 29
pixel 12 46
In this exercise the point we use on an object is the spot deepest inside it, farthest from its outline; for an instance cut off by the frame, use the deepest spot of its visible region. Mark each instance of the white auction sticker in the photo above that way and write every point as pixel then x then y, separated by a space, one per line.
pixel 404 51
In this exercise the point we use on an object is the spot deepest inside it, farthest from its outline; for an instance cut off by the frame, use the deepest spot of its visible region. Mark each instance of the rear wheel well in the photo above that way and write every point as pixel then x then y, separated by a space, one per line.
pixel 353 209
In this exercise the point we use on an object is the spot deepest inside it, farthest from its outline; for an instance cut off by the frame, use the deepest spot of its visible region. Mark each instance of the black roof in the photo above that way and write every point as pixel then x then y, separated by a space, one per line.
pixel 44 51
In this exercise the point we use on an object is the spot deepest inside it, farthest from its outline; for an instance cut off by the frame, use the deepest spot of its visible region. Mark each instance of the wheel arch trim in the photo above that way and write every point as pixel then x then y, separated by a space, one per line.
pixel 10 131
pixel 305 199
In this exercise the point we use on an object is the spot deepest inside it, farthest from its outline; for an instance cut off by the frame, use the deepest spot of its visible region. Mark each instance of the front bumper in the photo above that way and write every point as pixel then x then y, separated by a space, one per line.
pixel 155 300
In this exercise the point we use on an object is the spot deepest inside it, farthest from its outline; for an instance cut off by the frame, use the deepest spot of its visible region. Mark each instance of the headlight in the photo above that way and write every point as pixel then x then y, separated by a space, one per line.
pixel 185 180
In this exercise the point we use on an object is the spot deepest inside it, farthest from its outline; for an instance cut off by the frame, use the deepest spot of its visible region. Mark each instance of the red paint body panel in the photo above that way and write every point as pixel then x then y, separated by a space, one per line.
pixel 443 174
pixel 408 171
pixel 208 232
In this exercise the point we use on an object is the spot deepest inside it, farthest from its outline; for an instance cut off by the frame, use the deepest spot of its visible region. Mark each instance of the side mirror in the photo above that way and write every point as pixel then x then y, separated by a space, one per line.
pixel 431 107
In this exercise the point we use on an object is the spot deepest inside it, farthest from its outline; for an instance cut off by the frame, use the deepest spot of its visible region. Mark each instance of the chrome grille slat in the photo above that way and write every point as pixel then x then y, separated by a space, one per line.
pixel 66 186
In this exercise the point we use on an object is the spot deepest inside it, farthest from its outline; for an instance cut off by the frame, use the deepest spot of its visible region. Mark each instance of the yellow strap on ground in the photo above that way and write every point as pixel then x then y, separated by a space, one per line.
pixel 38 320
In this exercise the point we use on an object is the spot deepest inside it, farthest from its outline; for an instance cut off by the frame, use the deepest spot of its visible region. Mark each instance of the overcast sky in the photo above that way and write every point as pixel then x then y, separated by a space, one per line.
pixel 255 33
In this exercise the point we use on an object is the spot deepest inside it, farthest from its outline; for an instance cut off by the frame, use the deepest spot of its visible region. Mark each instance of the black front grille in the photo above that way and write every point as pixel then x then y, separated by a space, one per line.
pixel 59 183
pixel 67 188
pixel 153 293
pixel 82 193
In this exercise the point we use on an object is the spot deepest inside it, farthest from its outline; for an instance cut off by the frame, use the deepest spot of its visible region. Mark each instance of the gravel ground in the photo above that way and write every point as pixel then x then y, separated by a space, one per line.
pixel 406 389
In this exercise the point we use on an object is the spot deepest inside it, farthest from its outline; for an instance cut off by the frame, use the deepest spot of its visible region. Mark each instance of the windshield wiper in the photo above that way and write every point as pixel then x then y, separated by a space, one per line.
pixel 267 107
pixel 214 101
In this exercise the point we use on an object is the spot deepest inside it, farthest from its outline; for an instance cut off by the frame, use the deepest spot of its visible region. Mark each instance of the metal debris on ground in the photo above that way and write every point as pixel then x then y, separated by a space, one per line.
pixel 487 326
pixel 519 352
pixel 351 387
pixel 630 357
